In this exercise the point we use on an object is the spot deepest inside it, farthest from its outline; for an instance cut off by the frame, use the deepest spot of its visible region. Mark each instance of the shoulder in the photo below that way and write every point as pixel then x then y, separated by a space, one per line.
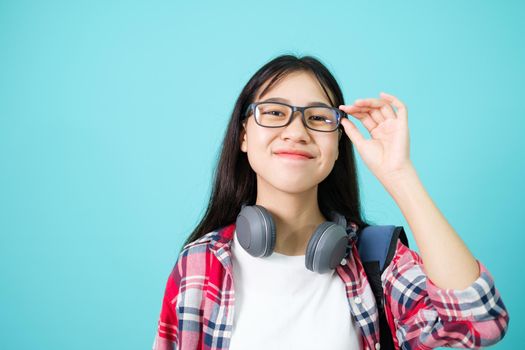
pixel 199 244
pixel 406 265
pixel 404 256
pixel 193 255
pixel 197 259
pixel 213 240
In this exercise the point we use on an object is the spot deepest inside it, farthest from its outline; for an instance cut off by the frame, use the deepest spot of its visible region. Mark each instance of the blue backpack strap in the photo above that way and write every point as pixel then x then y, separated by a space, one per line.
pixel 378 243
pixel 377 246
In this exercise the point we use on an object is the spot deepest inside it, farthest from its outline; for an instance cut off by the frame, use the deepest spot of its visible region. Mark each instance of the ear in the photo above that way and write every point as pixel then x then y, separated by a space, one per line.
pixel 244 145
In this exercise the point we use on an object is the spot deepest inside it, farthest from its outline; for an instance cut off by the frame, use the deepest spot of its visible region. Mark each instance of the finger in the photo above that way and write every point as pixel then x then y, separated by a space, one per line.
pixel 365 119
pixel 353 133
pixel 368 121
pixel 377 108
pixel 377 116
pixel 370 102
pixel 402 112
pixel 353 108
pixel 388 111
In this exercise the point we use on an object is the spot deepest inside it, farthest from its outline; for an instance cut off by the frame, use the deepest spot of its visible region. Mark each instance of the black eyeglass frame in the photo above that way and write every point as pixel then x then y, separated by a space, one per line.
pixel 251 108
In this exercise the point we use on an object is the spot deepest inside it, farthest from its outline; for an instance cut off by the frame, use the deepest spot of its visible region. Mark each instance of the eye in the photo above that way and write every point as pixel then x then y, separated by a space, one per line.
pixel 318 117
pixel 270 112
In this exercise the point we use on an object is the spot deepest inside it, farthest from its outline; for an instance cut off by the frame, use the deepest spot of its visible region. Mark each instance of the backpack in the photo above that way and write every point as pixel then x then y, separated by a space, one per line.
pixel 376 245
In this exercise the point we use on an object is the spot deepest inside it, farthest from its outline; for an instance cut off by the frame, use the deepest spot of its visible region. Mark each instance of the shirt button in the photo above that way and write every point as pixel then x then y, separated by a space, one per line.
pixel 378 346
pixel 357 300
pixel 343 262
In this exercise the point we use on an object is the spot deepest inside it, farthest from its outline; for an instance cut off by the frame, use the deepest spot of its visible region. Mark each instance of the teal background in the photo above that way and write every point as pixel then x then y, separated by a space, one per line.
pixel 112 113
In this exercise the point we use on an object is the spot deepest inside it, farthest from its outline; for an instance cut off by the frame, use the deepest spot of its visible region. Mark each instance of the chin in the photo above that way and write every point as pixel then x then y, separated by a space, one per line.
pixel 292 186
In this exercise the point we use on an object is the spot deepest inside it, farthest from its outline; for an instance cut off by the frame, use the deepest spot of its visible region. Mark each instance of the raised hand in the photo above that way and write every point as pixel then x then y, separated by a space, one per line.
pixel 386 153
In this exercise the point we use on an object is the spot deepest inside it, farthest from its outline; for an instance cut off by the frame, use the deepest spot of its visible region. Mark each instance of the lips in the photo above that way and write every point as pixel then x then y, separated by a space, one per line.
pixel 294 152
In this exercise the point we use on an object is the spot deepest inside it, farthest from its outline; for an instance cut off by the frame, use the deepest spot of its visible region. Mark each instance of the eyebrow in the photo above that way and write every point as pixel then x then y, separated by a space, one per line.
pixel 280 99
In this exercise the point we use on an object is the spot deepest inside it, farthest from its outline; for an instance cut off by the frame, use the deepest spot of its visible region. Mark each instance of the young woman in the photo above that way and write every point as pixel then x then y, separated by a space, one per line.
pixel 294 170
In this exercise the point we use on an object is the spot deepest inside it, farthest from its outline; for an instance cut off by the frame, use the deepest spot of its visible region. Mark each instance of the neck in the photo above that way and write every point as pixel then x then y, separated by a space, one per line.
pixel 296 215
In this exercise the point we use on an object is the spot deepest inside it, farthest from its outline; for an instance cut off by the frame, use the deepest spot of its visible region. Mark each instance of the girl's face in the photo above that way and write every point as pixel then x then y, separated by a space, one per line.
pixel 261 144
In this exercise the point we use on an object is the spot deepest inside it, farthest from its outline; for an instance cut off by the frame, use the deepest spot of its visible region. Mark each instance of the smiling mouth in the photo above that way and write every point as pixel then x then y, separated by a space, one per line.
pixel 292 156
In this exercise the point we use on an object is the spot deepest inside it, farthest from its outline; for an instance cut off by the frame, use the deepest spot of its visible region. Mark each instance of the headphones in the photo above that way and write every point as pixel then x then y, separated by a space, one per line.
pixel 326 248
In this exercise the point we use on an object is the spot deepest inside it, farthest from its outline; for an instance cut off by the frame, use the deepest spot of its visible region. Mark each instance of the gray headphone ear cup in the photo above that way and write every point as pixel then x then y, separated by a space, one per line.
pixel 337 218
pixel 256 230
pixel 326 248
pixel 269 230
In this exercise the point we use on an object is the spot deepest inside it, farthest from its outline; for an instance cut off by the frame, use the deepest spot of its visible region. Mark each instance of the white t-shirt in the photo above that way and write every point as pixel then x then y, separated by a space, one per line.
pixel 280 304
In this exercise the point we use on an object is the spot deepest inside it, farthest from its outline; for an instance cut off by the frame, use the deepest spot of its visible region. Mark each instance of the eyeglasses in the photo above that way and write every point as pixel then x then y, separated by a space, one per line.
pixel 278 114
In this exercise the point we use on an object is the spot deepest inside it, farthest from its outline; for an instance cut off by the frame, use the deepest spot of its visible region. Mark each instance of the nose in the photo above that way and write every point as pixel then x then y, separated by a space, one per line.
pixel 296 130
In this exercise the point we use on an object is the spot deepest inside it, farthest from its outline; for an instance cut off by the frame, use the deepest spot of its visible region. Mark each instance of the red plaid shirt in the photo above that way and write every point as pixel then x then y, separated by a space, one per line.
pixel 198 304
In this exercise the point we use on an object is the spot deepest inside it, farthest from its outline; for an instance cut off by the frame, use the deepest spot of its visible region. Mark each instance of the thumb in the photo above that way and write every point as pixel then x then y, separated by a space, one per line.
pixel 353 133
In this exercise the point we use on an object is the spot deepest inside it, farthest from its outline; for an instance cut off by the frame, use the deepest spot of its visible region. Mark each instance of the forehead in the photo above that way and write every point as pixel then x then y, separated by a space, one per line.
pixel 301 87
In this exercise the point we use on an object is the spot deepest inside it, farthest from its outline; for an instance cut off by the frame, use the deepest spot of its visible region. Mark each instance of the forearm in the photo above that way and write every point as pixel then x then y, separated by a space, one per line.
pixel 447 260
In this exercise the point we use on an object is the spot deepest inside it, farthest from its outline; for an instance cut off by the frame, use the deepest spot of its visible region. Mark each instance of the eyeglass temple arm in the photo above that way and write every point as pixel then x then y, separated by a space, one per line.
pixel 248 109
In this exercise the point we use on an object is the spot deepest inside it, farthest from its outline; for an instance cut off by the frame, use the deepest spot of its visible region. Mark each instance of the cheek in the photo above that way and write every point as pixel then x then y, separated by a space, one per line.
pixel 330 150
pixel 259 150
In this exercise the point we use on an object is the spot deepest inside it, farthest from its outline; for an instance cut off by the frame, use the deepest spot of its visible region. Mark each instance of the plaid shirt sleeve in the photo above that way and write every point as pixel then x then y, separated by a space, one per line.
pixel 167 332
pixel 425 316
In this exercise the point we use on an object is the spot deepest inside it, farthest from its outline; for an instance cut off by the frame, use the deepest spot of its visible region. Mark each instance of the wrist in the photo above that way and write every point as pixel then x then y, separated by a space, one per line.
pixel 399 176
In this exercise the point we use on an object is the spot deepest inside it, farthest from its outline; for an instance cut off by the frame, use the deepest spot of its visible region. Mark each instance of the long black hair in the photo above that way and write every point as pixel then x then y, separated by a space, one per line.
pixel 235 180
